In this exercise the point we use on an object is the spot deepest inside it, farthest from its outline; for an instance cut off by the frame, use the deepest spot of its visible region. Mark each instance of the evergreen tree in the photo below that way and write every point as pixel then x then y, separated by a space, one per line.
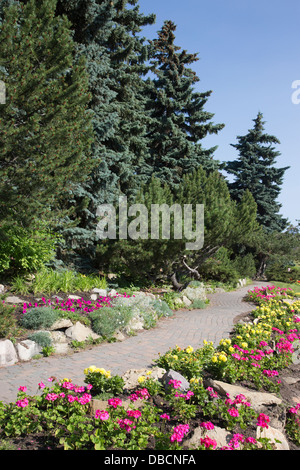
pixel 178 121
pixel 46 128
pixel 254 170
pixel 107 34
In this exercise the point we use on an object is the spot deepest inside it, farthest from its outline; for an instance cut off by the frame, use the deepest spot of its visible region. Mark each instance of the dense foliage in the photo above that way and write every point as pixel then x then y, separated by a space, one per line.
pixel 94 112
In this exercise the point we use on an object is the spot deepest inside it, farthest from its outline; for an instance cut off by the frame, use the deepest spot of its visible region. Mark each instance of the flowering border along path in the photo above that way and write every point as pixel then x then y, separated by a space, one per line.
pixel 163 416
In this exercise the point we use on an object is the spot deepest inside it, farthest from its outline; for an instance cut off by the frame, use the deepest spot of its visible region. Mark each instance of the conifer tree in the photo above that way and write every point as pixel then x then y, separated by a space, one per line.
pixel 254 170
pixel 107 34
pixel 46 128
pixel 178 119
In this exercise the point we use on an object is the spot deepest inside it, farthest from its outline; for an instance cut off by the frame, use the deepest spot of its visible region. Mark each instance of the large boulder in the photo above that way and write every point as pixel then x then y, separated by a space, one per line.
pixel 80 332
pixel 259 400
pixel 26 349
pixel 194 293
pixel 131 376
pixel 220 435
pixel 8 354
pixel 173 375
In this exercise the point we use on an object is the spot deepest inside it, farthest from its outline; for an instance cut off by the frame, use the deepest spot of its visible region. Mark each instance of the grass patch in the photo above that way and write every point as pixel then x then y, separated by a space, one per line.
pixel 49 281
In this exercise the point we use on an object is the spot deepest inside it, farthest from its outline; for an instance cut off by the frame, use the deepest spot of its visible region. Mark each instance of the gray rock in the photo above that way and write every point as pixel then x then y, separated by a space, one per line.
pixel 131 376
pixel 258 399
pixel 27 349
pixel 8 354
pixel 173 375
pixel 58 337
pixel 12 299
pixel 100 292
pixel 194 293
pixel 80 332
pixel 220 435
pixel 274 435
pixel 61 324
pixel 186 301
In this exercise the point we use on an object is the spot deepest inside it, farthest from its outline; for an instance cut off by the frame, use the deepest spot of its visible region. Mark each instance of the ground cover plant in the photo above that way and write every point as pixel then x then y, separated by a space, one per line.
pixel 163 416
pixel 106 315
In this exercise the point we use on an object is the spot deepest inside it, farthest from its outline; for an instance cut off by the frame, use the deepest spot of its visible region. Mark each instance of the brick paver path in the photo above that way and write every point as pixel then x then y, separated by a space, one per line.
pixel 184 328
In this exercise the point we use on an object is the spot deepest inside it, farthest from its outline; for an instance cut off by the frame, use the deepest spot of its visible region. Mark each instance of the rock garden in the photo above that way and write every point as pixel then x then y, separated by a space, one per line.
pixel 241 394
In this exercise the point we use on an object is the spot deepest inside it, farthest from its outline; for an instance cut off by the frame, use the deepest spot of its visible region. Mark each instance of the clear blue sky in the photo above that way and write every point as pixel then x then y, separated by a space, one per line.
pixel 249 56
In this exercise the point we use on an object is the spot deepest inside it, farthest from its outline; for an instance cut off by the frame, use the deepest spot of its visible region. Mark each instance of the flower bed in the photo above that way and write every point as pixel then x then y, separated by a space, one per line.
pixel 270 292
pixel 162 416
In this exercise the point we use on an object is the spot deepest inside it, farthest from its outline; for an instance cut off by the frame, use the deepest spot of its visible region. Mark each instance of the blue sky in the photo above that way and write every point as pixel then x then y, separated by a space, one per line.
pixel 249 56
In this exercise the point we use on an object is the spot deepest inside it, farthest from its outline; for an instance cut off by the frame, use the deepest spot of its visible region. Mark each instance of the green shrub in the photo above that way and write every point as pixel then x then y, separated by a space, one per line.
pixel 50 281
pixel 107 320
pixel 25 251
pixel 220 268
pixel 39 317
pixel 42 338
pixel 245 265
pixel 162 308
pixel 281 272
pixel 8 323
pixel 198 304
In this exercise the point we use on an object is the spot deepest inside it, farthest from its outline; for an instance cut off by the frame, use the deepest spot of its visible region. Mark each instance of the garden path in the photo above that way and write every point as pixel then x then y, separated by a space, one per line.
pixel 184 328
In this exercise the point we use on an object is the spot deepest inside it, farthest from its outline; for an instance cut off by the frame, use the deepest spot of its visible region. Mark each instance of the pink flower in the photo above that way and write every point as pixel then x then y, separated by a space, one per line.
pixel 51 397
pixel 165 416
pixel 72 398
pixel 22 388
pixel 114 402
pixel 175 383
pixel 22 403
pixel 86 398
pixel 262 420
pixel 208 442
pixel 126 424
pixel 179 432
pixel 41 385
pixel 207 425
pixel 103 415
pixel 134 413
pixel 233 412
pixel 251 440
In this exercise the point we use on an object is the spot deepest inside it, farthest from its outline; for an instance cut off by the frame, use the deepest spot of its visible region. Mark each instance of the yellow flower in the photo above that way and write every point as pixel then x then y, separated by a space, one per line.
pixel 189 350
pixel 231 349
pixel 214 359
pixel 244 345
pixel 90 369
pixel 141 379
pixel 149 372
pixel 222 358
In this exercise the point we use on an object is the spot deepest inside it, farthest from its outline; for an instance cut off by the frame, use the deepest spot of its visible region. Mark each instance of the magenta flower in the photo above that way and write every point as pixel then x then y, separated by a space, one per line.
pixel 114 402
pixel 233 412
pixel 103 415
pixel 207 425
pixel 208 442
pixel 22 403
pixel 165 416
pixel 262 420
pixel 134 413
pixel 22 388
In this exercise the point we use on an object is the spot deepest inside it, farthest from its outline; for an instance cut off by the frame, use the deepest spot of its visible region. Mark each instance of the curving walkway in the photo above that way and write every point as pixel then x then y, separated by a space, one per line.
pixel 184 328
